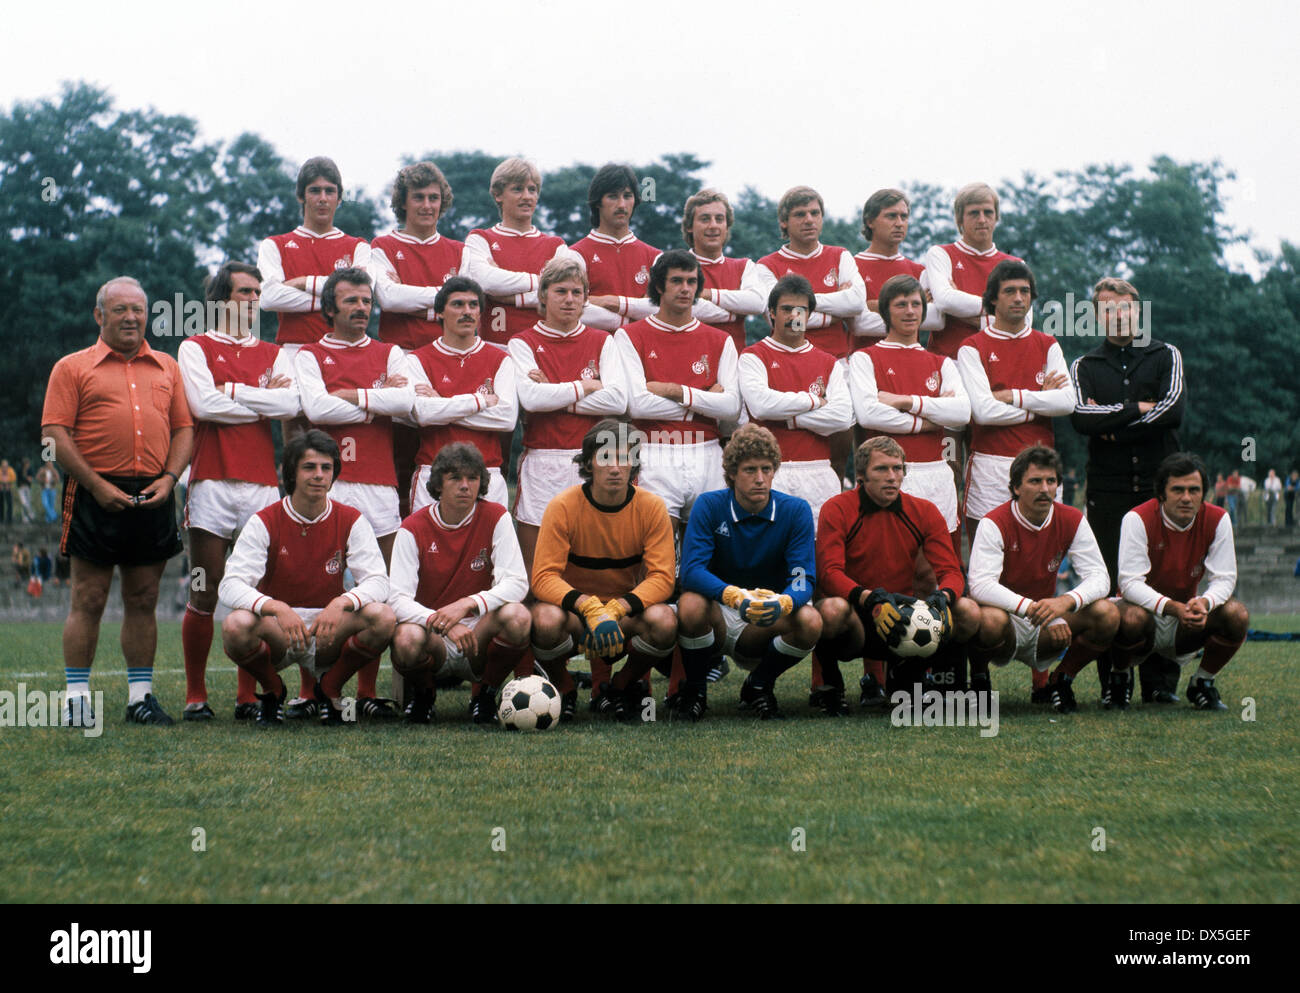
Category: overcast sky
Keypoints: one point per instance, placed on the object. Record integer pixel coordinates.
(845, 96)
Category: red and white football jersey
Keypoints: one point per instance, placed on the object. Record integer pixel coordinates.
(408, 274)
(1159, 561)
(507, 263)
(302, 253)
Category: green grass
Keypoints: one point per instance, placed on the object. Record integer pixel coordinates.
(1196, 807)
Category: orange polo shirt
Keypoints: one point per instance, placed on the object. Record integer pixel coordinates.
(121, 412)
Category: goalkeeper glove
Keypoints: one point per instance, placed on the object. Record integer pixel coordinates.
(884, 614)
(938, 604)
(603, 632)
(766, 607)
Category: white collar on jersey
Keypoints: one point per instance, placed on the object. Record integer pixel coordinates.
(773, 343)
(329, 341)
(436, 510)
(1174, 527)
(961, 246)
(446, 349)
(993, 332)
(413, 240)
(790, 253)
(229, 339)
(295, 516)
(768, 512)
(501, 229)
(605, 239)
(551, 332)
(876, 256)
(306, 232)
(706, 261)
(898, 344)
(655, 322)
(1015, 512)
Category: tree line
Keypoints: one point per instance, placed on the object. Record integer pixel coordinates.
(89, 191)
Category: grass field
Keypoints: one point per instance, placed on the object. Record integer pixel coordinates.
(1195, 807)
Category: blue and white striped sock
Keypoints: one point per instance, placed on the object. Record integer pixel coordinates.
(138, 683)
(78, 681)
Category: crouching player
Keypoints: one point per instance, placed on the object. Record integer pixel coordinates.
(1017, 549)
(867, 542)
(284, 585)
(1166, 546)
(742, 544)
(456, 584)
(602, 573)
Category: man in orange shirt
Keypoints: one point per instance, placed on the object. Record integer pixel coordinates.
(122, 432)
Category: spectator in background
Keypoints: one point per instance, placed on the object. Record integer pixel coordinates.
(25, 481)
(22, 563)
(1220, 490)
(8, 483)
(1292, 484)
(43, 565)
(1272, 490)
(1248, 486)
(1233, 495)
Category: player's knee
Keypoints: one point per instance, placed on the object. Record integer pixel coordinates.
(692, 614)
(89, 598)
(965, 618)
(380, 620)
(807, 624)
(408, 646)
(516, 623)
(204, 600)
(548, 624)
(834, 613)
(1104, 617)
(238, 631)
(993, 627)
(141, 599)
(1234, 620)
(661, 625)
(1133, 624)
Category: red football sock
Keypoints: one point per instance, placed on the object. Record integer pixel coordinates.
(1078, 655)
(368, 678)
(1041, 676)
(525, 666)
(638, 666)
(956, 542)
(1218, 652)
(196, 642)
(258, 666)
(601, 671)
(245, 686)
(874, 667)
(816, 671)
(501, 660)
(677, 676)
(354, 657)
(306, 682)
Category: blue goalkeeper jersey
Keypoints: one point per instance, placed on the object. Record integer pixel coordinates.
(725, 545)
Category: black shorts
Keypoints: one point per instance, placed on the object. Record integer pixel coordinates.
(128, 537)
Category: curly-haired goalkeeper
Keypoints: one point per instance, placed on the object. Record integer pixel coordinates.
(601, 573)
(743, 545)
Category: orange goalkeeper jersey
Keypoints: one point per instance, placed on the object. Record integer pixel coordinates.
(609, 552)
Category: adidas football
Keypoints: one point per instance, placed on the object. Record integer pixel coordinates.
(920, 631)
(529, 704)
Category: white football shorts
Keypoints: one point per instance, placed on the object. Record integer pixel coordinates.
(223, 506)
(815, 482)
(378, 504)
(497, 491)
(680, 473)
(544, 473)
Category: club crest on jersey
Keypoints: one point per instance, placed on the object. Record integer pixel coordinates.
(480, 560)
(701, 366)
(263, 379)
(335, 565)
(829, 278)
(1055, 564)
(379, 382)
(932, 383)
(591, 370)
(818, 389)
(450, 272)
(642, 277)
(342, 263)
(486, 388)
(1038, 377)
